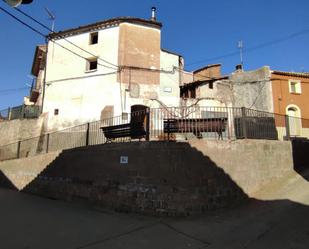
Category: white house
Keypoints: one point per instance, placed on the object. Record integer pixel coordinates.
(102, 69)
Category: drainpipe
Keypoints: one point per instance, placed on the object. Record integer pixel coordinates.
(45, 72)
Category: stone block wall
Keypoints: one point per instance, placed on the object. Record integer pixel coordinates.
(20, 129)
(158, 178)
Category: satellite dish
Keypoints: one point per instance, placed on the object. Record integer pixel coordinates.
(15, 3)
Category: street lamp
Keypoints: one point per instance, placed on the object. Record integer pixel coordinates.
(15, 3)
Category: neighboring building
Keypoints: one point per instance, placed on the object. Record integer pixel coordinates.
(252, 89)
(101, 70)
(283, 93)
(207, 88)
(290, 93)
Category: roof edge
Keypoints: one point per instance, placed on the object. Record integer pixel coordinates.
(170, 52)
(104, 24)
(208, 66)
(296, 74)
(200, 82)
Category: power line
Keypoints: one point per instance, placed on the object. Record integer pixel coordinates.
(253, 48)
(78, 78)
(46, 37)
(22, 22)
(46, 27)
(13, 90)
(75, 53)
(132, 67)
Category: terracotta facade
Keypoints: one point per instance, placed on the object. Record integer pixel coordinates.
(139, 51)
(283, 98)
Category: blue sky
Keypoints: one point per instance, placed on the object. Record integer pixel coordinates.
(198, 29)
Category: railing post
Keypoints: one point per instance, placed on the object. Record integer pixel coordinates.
(23, 112)
(18, 149)
(287, 127)
(87, 134)
(147, 124)
(47, 143)
(168, 129)
(244, 122)
(9, 113)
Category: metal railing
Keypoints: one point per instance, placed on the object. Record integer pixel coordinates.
(174, 123)
(20, 112)
(4, 114)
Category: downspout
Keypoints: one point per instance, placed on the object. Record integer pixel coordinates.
(120, 87)
(45, 72)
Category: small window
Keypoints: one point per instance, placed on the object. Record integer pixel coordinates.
(94, 38)
(211, 85)
(92, 64)
(188, 93)
(192, 93)
(294, 86)
(56, 112)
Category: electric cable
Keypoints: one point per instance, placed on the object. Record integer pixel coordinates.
(50, 30)
(9, 91)
(46, 27)
(136, 68)
(46, 37)
(253, 48)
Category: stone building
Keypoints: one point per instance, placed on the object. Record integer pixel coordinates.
(100, 70)
(207, 88)
(266, 90)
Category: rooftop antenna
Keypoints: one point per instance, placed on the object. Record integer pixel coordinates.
(52, 17)
(241, 46)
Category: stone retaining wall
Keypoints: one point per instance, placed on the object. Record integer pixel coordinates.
(173, 178)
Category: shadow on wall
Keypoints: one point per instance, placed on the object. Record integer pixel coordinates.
(162, 179)
(157, 178)
(301, 157)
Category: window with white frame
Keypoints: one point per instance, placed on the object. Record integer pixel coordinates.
(294, 86)
(91, 64)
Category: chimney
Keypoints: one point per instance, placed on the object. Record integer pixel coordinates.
(239, 68)
(153, 14)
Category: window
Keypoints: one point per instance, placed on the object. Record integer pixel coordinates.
(294, 86)
(189, 92)
(56, 112)
(92, 64)
(94, 38)
(192, 93)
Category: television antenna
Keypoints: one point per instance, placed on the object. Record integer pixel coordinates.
(52, 17)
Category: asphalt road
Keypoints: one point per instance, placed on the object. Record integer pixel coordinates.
(277, 218)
